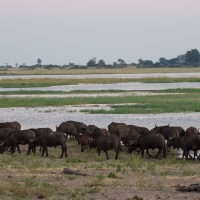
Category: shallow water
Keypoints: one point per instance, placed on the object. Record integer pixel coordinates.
(170, 75)
(117, 86)
(52, 116)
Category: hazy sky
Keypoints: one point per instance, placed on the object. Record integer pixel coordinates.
(63, 31)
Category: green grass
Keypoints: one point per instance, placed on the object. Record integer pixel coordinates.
(47, 82)
(27, 92)
(189, 101)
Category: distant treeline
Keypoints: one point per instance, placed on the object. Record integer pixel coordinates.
(189, 59)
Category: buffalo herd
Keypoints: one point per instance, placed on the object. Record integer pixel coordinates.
(132, 137)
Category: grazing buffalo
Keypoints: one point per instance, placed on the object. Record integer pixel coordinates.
(148, 141)
(14, 125)
(107, 142)
(39, 131)
(80, 126)
(52, 139)
(14, 138)
(84, 140)
(132, 136)
(192, 131)
(3, 134)
(186, 143)
(68, 128)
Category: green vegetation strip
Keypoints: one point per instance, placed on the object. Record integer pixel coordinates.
(24, 92)
(183, 102)
(47, 82)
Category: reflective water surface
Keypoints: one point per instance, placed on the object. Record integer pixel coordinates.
(52, 116)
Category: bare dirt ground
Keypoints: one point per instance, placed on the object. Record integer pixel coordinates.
(130, 177)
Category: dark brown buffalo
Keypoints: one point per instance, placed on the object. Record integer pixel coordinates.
(52, 139)
(37, 132)
(93, 143)
(90, 129)
(80, 126)
(83, 140)
(98, 132)
(14, 138)
(167, 131)
(3, 134)
(107, 142)
(180, 130)
(148, 141)
(192, 131)
(112, 127)
(14, 125)
(68, 128)
(139, 129)
(123, 130)
(132, 136)
(186, 143)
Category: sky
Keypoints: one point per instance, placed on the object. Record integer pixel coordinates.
(63, 31)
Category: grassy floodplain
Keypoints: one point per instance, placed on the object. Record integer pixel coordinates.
(125, 70)
(177, 100)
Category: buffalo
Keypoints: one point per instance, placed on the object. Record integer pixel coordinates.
(90, 129)
(83, 140)
(107, 142)
(149, 141)
(68, 128)
(14, 138)
(3, 134)
(80, 126)
(52, 139)
(98, 132)
(186, 143)
(112, 127)
(14, 125)
(192, 131)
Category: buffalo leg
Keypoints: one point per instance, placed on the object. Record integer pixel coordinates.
(65, 151)
(159, 151)
(116, 156)
(106, 152)
(164, 151)
(29, 149)
(18, 149)
(99, 151)
(147, 152)
(142, 152)
(186, 154)
(62, 152)
(82, 150)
